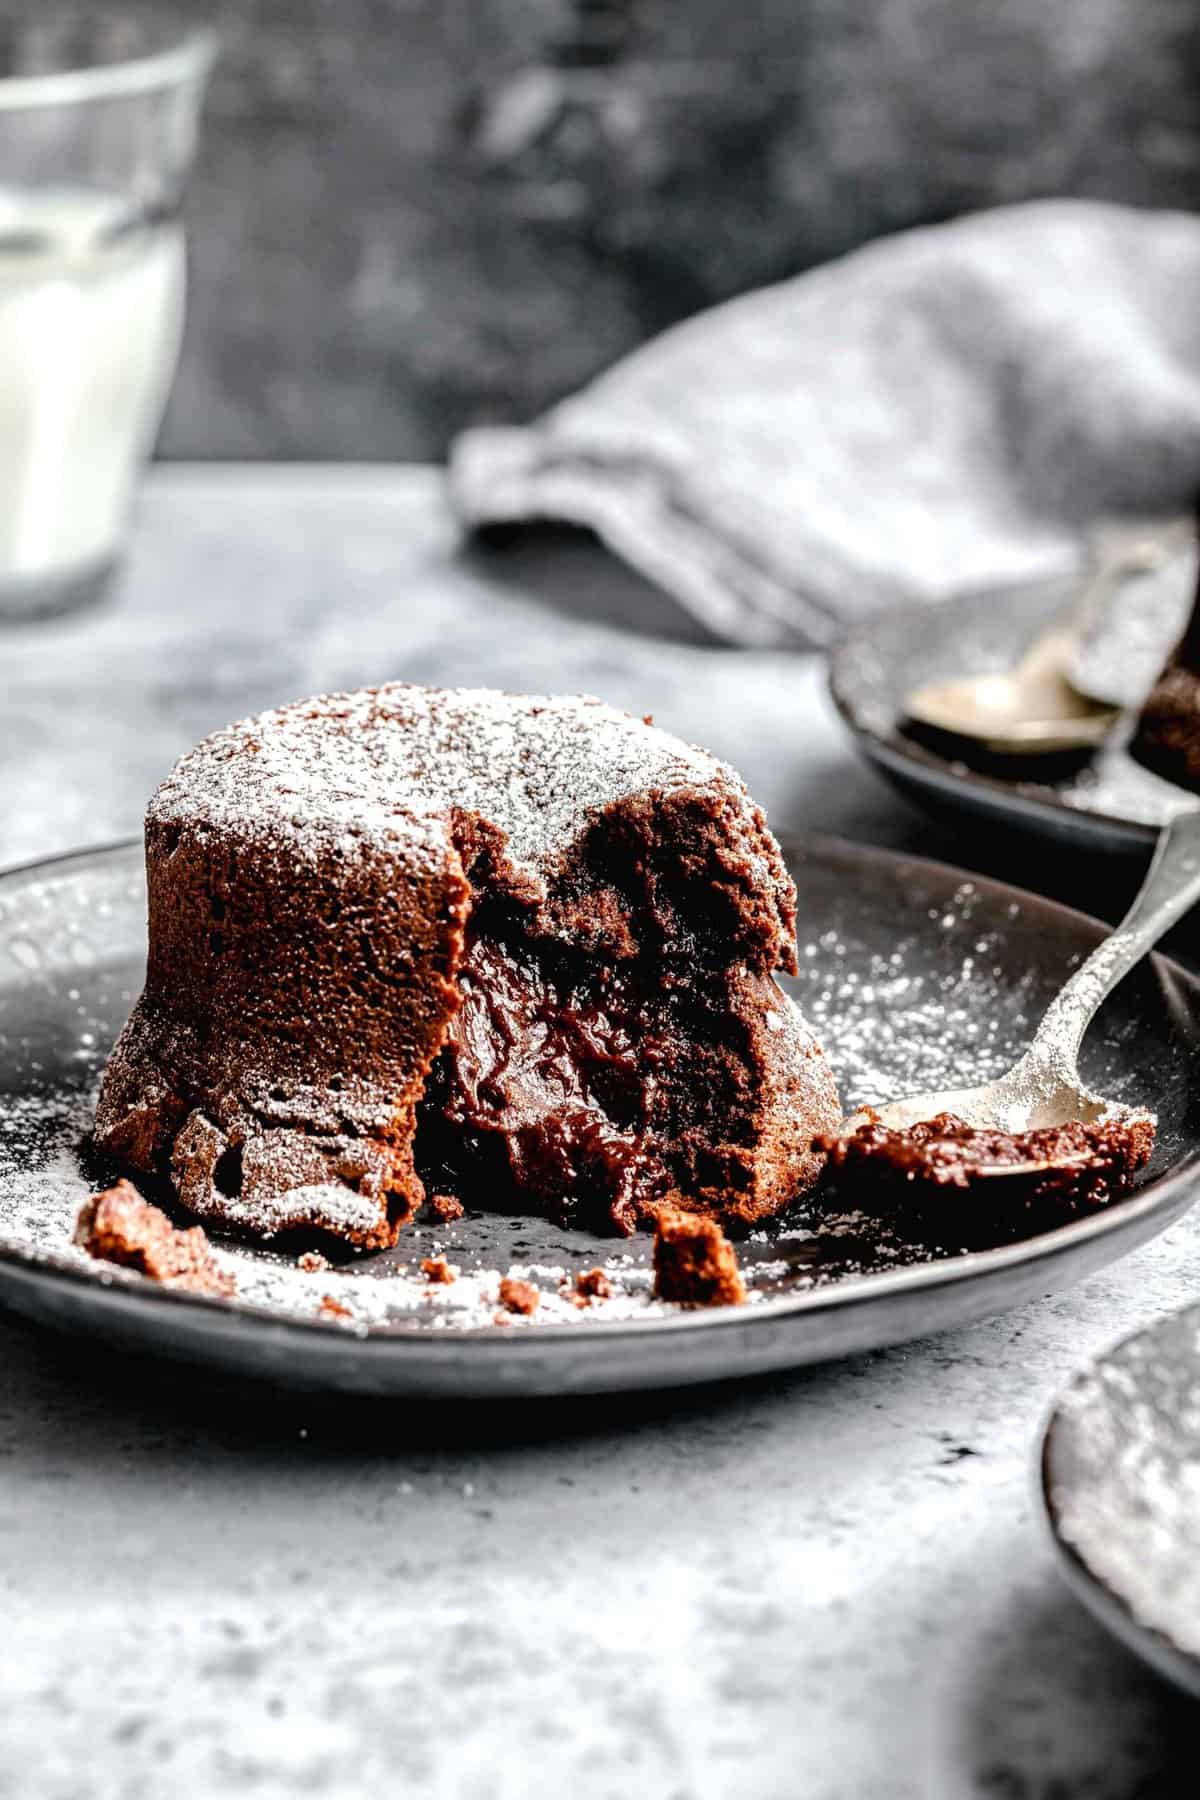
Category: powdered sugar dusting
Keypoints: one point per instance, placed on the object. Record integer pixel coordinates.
(43, 1184)
(392, 761)
(330, 1203)
(894, 1025)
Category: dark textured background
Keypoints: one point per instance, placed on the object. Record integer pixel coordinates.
(413, 214)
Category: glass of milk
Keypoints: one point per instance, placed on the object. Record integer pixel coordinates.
(98, 121)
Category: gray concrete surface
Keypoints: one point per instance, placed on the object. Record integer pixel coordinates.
(831, 1586)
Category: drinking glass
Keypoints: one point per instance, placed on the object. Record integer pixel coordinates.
(98, 120)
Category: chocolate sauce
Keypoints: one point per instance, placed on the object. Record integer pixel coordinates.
(546, 1089)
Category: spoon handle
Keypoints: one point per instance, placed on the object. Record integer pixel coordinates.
(1114, 564)
(1172, 885)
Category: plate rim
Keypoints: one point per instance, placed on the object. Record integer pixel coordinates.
(1148, 1642)
(1159, 1194)
(897, 755)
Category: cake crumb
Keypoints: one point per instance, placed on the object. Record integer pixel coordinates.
(518, 1296)
(593, 1284)
(119, 1226)
(694, 1262)
(312, 1262)
(446, 1207)
(436, 1268)
(333, 1309)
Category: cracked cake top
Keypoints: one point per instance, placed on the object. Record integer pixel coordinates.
(399, 760)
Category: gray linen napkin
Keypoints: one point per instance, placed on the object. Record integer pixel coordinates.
(951, 408)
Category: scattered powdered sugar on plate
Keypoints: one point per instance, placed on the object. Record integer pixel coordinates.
(890, 1030)
(404, 1295)
(43, 1186)
(44, 1180)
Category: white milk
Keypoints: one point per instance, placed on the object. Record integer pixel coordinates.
(89, 334)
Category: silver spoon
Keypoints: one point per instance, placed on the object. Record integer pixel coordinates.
(1044, 1087)
(1033, 709)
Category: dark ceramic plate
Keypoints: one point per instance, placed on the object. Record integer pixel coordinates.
(1121, 1482)
(914, 974)
(1106, 803)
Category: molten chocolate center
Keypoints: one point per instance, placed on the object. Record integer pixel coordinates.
(547, 1087)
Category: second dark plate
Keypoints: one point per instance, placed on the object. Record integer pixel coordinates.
(1120, 1479)
(1108, 804)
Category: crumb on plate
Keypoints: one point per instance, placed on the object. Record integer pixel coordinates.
(118, 1226)
(694, 1262)
(437, 1269)
(518, 1296)
(446, 1207)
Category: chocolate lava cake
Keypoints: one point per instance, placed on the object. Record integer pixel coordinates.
(411, 940)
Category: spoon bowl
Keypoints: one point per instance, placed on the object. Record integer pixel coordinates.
(1034, 709)
(1031, 710)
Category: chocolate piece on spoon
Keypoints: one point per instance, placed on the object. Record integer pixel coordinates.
(1038, 1131)
(1023, 1180)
